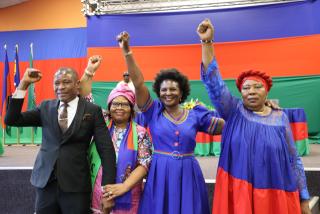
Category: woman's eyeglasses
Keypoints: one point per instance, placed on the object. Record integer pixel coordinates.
(120, 105)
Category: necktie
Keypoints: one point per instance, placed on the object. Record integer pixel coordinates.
(63, 118)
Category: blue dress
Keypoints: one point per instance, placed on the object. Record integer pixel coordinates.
(175, 183)
(259, 170)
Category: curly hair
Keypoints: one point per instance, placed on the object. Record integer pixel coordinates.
(175, 75)
(259, 74)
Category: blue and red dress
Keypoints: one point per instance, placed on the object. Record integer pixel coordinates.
(259, 170)
(175, 183)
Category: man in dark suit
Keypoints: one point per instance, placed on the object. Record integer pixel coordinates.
(61, 172)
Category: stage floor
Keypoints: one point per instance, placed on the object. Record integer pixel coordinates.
(18, 156)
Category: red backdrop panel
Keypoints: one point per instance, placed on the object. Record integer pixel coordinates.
(293, 56)
(44, 88)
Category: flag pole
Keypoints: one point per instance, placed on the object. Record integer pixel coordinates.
(18, 136)
(3, 142)
(18, 129)
(32, 130)
(32, 135)
(3, 131)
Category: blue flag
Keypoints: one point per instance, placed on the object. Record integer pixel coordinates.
(6, 89)
(16, 69)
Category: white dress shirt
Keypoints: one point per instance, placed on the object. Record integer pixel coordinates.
(72, 109)
(72, 105)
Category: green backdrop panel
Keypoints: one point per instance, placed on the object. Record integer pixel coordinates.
(22, 136)
(1, 144)
(292, 92)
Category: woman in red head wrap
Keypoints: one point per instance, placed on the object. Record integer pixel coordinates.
(259, 170)
(254, 87)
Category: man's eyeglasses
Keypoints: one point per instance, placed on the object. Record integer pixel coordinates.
(120, 105)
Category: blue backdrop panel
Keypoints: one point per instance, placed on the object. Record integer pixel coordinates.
(48, 44)
(240, 24)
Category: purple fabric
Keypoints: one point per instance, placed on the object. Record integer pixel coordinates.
(143, 159)
(257, 149)
(175, 185)
(127, 159)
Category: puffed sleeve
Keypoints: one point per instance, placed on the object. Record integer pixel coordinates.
(207, 119)
(218, 92)
(296, 162)
(148, 111)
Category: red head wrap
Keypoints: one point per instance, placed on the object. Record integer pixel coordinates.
(254, 75)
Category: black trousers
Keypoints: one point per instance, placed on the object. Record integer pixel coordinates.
(52, 200)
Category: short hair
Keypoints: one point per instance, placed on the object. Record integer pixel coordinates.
(174, 75)
(249, 73)
(68, 70)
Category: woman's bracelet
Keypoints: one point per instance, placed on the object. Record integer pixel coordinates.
(89, 74)
(128, 54)
(206, 41)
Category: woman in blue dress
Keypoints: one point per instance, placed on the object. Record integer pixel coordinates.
(259, 170)
(175, 183)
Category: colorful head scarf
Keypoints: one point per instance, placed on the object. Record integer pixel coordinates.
(122, 90)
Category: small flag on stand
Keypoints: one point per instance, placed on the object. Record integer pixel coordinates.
(16, 75)
(6, 91)
(31, 90)
(16, 69)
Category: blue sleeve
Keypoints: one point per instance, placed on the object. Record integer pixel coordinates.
(296, 163)
(147, 111)
(140, 120)
(207, 120)
(219, 94)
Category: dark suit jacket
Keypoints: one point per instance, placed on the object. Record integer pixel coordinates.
(67, 151)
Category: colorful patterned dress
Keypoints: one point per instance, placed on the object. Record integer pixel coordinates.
(121, 139)
(259, 170)
(175, 183)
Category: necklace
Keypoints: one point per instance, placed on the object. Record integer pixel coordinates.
(264, 111)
